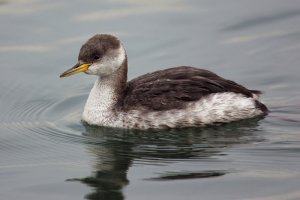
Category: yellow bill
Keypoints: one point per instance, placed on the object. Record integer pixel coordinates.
(76, 69)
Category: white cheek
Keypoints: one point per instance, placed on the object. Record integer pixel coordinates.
(109, 63)
(102, 69)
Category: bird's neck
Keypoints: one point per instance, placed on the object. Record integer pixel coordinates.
(107, 93)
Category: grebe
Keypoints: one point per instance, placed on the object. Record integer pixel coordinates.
(172, 98)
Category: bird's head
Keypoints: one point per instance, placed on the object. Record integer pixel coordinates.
(101, 55)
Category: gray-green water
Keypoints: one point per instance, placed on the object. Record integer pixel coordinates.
(47, 153)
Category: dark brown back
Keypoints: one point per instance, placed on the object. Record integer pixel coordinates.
(175, 87)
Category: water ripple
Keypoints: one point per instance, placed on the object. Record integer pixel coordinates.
(260, 20)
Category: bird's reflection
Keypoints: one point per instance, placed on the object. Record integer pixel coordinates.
(116, 150)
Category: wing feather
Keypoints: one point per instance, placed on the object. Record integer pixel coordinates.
(175, 87)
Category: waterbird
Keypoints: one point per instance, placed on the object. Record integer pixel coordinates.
(176, 97)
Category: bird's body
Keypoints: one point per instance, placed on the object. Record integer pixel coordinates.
(173, 98)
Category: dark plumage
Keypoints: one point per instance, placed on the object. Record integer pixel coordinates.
(175, 87)
(96, 47)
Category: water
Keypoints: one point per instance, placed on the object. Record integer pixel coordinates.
(47, 153)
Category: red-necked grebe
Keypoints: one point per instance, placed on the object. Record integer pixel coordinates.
(171, 98)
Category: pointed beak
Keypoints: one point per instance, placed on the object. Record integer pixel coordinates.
(76, 69)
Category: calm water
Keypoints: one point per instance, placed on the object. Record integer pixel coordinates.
(47, 153)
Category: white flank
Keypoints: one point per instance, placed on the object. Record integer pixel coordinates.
(215, 108)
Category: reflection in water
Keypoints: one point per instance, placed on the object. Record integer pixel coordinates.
(120, 148)
(189, 175)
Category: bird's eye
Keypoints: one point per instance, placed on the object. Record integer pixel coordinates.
(96, 57)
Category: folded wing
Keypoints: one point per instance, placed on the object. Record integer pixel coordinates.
(175, 87)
